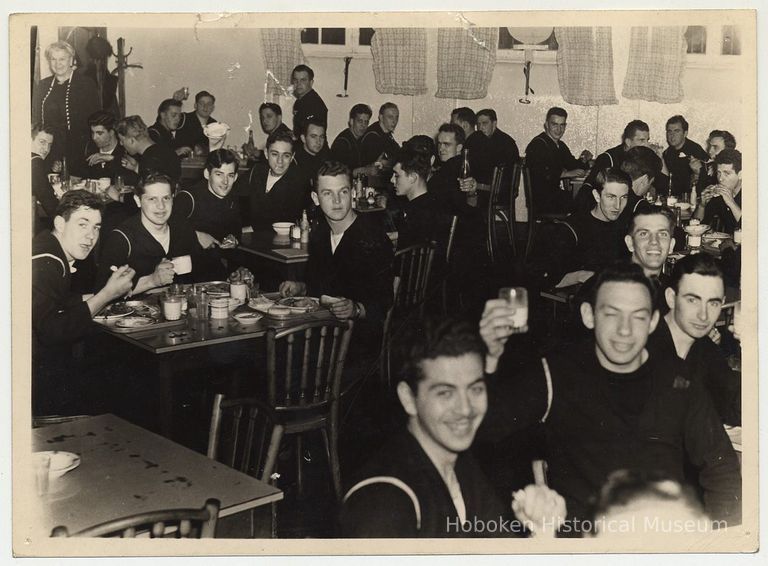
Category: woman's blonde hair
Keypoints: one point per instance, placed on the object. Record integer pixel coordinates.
(59, 46)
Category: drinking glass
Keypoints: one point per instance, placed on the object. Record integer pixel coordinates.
(42, 472)
(171, 307)
(517, 297)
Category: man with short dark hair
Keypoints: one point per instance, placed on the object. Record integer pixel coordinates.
(424, 219)
(378, 145)
(350, 258)
(695, 297)
(346, 147)
(597, 235)
(276, 189)
(425, 481)
(722, 202)
(308, 103)
(144, 156)
(149, 241)
(447, 184)
(644, 168)
(213, 213)
(103, 154)
(466, 118)
(705, 173)
(490, 147)
(636, 134)
(165, 128)
(42, 191)
(549, 159)
(610, 403)
(190, 133)
(679, 155)
(313, 149)
(271, 118)
(60, 317)
(650, 239)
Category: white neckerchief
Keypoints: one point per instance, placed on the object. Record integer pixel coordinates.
(447, 471)
(271, 180)
(335, 241)
(163, 239)
(110, 152)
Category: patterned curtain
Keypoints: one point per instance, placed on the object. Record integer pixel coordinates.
(656, 64)
(400, 60)
(282, 52)
(465, 61)
(585, 65)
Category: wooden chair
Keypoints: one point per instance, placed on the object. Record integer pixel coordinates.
(496, 211)
(304, 369)
(251, 435)
(386, 337)
(244, 435)
(413, 265)
(534, 217)
(447, 258)
(189, 523)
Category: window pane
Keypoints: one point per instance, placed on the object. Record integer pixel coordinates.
(506, 41)
(333, 36)
(366, 34)
(697, 39)
(309, 35)
(731, 41)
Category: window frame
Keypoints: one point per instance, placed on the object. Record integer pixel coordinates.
(713, 57)
(351, 47)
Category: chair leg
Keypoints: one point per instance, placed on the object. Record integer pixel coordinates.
(332, 438)
(299, 457)
(272, 452)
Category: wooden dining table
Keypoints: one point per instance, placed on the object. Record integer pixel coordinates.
(125, 470)
(166, 353)
(192, 332)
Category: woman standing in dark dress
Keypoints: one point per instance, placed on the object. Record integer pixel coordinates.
(63, 103)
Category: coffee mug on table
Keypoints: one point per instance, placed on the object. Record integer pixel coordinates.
(239, 291)
(182, 264)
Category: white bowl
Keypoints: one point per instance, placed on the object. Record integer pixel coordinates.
(696, 229)
(282, 228)
(61, 462)
(246, 318)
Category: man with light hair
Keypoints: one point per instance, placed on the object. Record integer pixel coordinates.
(144, 155)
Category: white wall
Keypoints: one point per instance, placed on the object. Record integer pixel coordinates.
(229, 63)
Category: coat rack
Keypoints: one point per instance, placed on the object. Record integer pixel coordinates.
(122, 65)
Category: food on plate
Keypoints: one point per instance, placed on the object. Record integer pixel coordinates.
(117, 309)
(241, 275)
(327, 300)
(134, 322)
(304, 303)
(260, 302)
(279, 311)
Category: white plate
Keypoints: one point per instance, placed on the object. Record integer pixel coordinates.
(300, 309)
(716, 236)
(248, 318)
(61, 462)
(261, 304)
(134, 322)
(111, 316)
